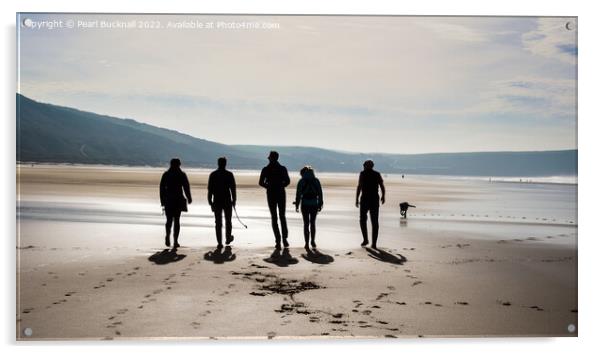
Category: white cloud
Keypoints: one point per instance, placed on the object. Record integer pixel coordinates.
(456, 30)
(553, 39)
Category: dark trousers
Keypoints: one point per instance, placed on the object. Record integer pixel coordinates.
(372, 207)
(217, 211)
(172, 217)
(309, 214)
(277, 205)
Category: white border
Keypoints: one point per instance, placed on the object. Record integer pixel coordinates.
(589, 170)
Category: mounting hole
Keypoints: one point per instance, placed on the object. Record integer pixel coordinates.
(28, 332)
(571, 328)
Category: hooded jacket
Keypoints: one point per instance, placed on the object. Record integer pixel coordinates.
(309, 190)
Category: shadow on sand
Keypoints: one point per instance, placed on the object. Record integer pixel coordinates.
(166, 256)
(315, 256)
(220, 256)
(385, 256)
(281, 258)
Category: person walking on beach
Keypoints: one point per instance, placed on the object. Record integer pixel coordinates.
(221, 195)
(309, 194)
(274, 178)
(173, 182)
(367, 186)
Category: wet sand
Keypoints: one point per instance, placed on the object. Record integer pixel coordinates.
(91, 264)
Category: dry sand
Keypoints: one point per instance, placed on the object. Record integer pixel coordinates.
(95, 275)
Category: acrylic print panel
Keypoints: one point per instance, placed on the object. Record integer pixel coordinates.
(439, 197)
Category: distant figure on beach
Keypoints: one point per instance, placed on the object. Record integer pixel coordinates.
(221, 195)
(309, 195)
(274, 178)
(173, 182)
(367, 186)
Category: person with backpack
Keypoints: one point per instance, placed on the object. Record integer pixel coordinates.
(173, 182)
(309, 195)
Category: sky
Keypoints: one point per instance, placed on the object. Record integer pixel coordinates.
(349, 83)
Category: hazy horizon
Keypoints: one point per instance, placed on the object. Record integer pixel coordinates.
(398, 85)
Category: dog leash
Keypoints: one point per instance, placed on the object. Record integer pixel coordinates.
(240, 221)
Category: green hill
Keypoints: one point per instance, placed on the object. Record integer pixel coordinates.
(49, 133)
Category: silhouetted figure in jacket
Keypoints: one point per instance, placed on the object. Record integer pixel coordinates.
(274, 178)
(367, 186)
(309, 195)
(173, 183)
(221, 195)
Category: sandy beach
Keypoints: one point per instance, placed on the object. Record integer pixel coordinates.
(473, 259)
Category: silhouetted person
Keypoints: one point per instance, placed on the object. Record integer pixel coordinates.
(274, 178)
(173, 183)
(221, 195)
(367, 186)
(309, 194)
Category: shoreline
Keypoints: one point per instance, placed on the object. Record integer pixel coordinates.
(479, 178)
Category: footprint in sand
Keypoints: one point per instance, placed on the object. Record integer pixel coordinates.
(416, 283)
(28, 310)
(381, 295)
(464, 303)
(258, 266)
(271, 335)
(535, 307)
(400, 303)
